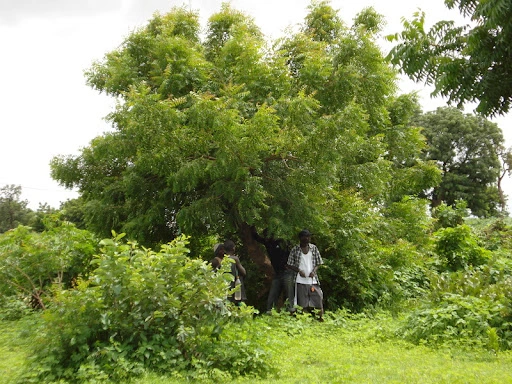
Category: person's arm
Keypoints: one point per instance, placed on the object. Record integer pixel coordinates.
(317, 263)
(239, 266)
(257, 237)
(291, 264)
(216, 262)
(296, 269)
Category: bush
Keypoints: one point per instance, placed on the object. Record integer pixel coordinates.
(495, 233)
(472, 305)
(450, 216)
(31, 262)
(13, 308)
(467, 319)
(142, 310)
(372, 257)
(458, 248)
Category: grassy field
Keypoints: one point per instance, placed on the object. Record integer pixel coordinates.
(14, 348)
(351, 351)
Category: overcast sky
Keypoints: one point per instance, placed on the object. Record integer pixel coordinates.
(47, 110)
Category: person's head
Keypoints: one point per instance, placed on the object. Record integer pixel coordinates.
(219, 250)
(304, 236)
(229, 247)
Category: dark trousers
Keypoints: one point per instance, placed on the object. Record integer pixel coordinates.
(282, 282)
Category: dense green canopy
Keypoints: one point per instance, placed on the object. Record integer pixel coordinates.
(235, 136)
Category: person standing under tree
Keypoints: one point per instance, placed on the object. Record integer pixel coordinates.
(219, 251)
(305, 259)
(283, 279)
(237, 270)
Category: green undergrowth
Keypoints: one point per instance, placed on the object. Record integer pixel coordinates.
(342, 349)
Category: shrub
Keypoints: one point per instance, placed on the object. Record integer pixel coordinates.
(472, 305)
(458, 248)
(372, 257)
(450, 216)
(140, 310)
(31, 262)
(463, 318)
(495, 233)
(13, 308)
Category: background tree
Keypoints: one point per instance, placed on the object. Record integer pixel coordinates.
(44, 211)
(73, 210)
(233, 137)
(467, 150)
(465, 63)
(506, 168)
(13, 210)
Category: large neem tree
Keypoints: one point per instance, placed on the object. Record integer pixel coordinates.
(234, 137)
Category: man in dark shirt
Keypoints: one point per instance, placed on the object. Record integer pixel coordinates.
(282, 280)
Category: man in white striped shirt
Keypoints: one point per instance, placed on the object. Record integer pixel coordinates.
(305, 259)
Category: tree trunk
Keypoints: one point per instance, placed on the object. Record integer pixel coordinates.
(436, 198)
(255, 251)
(258, 255)
(503, 201)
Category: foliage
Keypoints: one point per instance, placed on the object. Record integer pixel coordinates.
(13, 210)
(450, 215)
(13, 307)
(495, 234)
(162, 311)
(469, 301)
(464, 63)
(467, 150)
(31, 262)
(73, 211)
(466, 306)
(231, 136)
(322, 22)
(43, 213)
(372, 257)
(458, 248)
(406, 221)
(467, 319)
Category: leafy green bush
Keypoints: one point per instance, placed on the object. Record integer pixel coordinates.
(31, 262)
(495, 233)
(13, 308)
(457, 318)
(144, 310)
(447, 216)
(458, 248)
(473, 305)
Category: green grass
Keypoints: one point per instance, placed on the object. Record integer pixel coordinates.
(365, 351)
(14, 348)
(337, 351)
